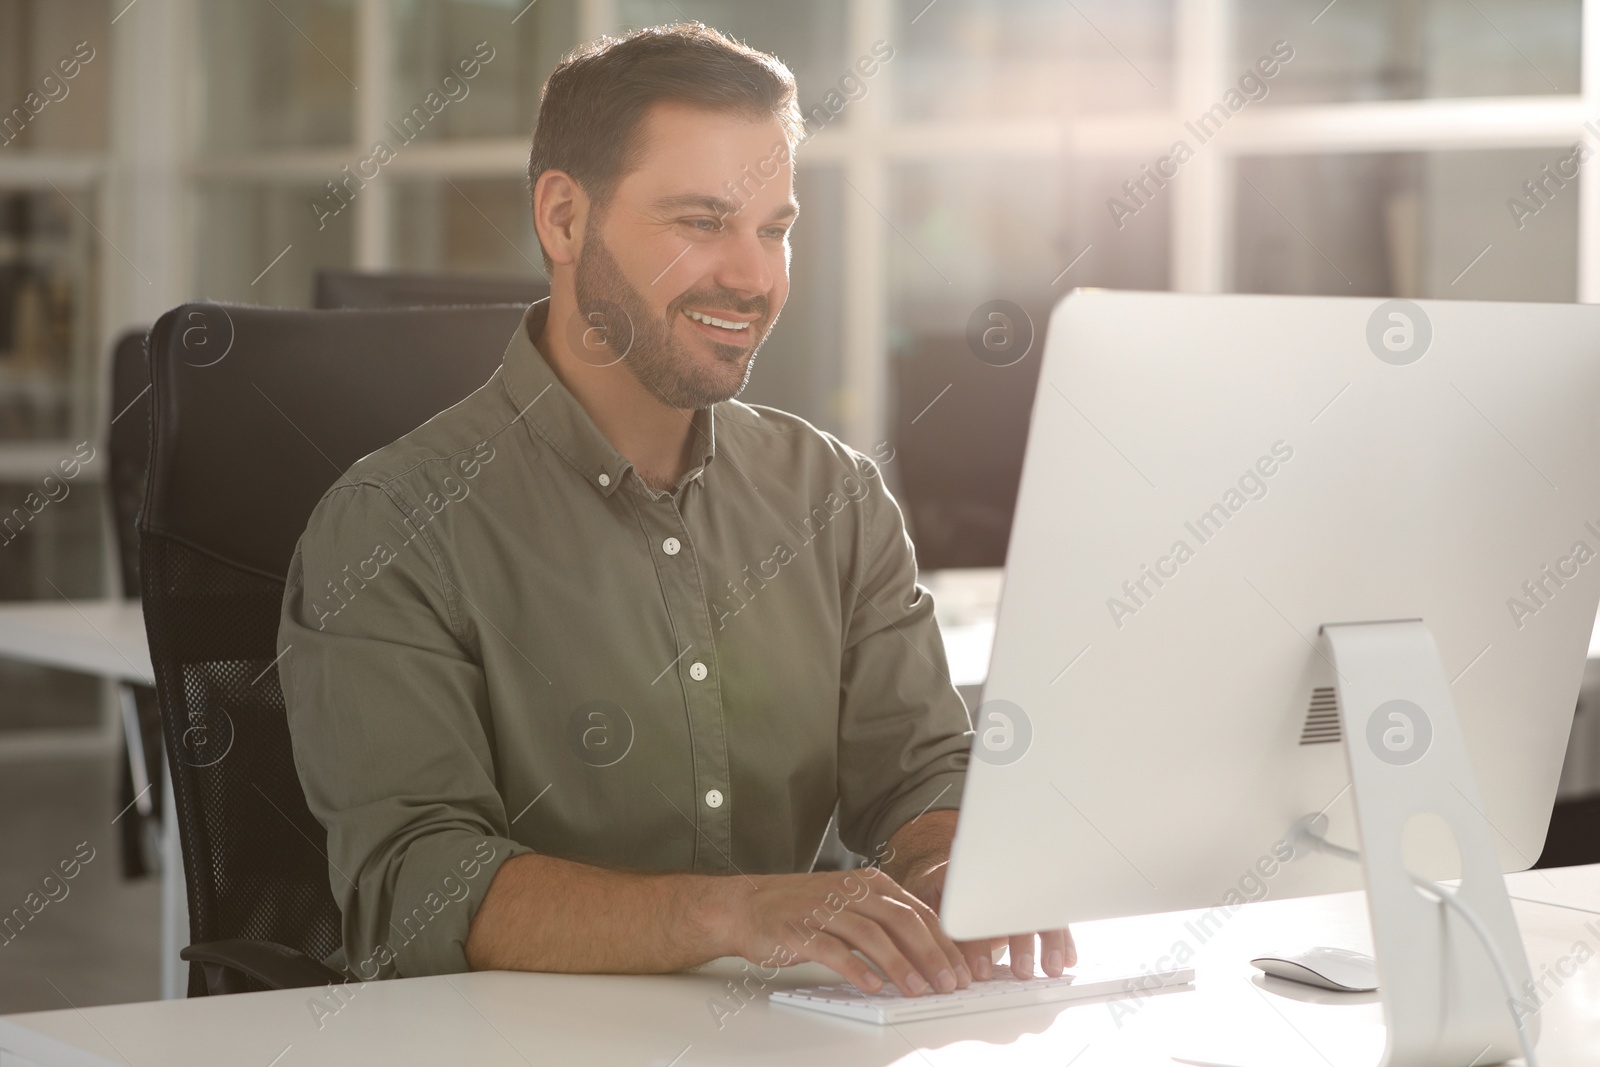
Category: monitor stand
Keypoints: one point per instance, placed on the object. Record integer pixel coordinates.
(1445, 1001)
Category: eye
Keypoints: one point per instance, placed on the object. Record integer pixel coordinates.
(704, 224)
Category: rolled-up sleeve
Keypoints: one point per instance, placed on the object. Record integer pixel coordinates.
(903, 729)
(388, 713)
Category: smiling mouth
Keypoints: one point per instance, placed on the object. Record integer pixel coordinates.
(729, 325)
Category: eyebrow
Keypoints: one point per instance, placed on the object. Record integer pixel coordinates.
(720, 206)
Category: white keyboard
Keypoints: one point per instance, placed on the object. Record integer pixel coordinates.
(1001, 991)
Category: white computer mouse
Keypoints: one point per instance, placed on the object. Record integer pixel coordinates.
(1338, 969)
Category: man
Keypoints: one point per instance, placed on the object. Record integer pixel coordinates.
(578, 670)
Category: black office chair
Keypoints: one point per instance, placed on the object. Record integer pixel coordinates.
(398, 289)
(959, 462)
(256, 412)
(1574, 836)
(128, 453)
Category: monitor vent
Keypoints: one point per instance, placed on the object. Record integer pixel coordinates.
(1322, 718)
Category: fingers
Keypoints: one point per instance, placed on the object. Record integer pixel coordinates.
(897, 929)
(980, 956)
(1056, 950)
(1053, 945)
(873, 941)
(1022, 955)
(913, 938)
(929, 918)
(831, 951)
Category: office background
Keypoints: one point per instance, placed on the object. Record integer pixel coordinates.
(190, 153)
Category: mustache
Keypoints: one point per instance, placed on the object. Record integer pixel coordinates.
(721, 300)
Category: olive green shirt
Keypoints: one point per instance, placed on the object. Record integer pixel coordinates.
(497, 639)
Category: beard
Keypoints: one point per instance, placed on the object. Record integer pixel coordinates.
(646, 345)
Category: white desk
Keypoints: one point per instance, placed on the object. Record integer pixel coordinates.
(104, 637)
(966, 651)
(107, 638)
(503, 1018)
(967, 601)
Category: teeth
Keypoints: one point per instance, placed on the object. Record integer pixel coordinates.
(726, 325)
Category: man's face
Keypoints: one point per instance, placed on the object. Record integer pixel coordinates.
(697, 231)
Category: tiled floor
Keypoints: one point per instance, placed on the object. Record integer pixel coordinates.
(96, 943)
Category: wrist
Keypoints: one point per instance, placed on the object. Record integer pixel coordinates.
(718, 904)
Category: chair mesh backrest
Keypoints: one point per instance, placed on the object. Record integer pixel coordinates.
(251, 846)
(251, 423)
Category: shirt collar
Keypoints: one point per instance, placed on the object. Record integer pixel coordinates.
(556, 416)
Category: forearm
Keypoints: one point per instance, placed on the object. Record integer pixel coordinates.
(547, 914)
(920, 846)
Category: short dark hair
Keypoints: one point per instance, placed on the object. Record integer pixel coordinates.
(594, 101)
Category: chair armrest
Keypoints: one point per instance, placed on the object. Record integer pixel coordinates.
(271, 964)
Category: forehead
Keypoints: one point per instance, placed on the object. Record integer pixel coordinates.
(688, 149)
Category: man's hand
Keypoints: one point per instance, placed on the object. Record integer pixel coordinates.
(919, 854)
(775, 920)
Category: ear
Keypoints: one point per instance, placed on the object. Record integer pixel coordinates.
(560, 211)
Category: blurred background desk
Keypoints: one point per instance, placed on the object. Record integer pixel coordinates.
(104, 638)
(101, 637)
(967, 600)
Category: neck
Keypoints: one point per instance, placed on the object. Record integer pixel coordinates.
(654, 437)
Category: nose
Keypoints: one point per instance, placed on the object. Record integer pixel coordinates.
(744, 265)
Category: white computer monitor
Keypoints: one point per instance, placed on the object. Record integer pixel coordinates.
(1208, 481)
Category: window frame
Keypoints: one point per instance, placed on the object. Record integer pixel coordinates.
(865, 147)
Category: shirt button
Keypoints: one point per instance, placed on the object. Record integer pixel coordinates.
(605, 480)
(697, 671)
(670, 546)
(714, 798)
